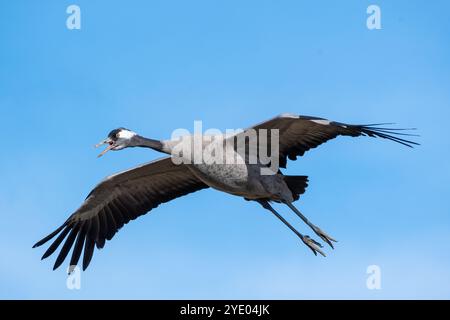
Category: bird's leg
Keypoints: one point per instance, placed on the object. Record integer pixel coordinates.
(316, 229)
(311, 243)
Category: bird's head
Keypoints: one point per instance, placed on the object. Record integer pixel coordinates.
(118, 139)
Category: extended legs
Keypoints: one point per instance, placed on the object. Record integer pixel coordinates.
(311, 243)
(316, 229)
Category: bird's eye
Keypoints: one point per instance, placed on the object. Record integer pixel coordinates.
(118, 135)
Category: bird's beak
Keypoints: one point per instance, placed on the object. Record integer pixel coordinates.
(109, 147)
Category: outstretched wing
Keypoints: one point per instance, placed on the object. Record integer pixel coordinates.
(298, 134)
(114, 202)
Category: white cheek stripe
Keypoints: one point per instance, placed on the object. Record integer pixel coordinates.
(126, 134)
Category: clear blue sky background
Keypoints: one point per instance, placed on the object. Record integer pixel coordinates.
(154, 66)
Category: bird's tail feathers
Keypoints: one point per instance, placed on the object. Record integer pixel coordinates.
(297, 185)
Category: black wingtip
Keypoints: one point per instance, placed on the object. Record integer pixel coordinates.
(89, 248)
(40, 243)
(58, 263)
(67, 246)
(50, 236)
(388, 133)
(46, 255)
(379, 124)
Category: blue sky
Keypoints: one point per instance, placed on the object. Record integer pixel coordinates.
(154, 66)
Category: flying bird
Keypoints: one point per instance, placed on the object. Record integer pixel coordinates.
(129, 194)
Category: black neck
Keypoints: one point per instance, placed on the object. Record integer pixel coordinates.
(148, 143)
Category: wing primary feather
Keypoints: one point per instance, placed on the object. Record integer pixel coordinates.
(100, 243)
(66, 247)
(111, 225)
(389, 129)
(103, 227)
(50, 236)
(120, 206)
(125, 213)
(95, 227)
(374, 131)
(398, 133)
(78, 248)
(89, 247)
(56, 243)
(116, 216)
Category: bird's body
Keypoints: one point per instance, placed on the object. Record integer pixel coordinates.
(230, 172)
(243, 180)
(198, 162)
(215, 173)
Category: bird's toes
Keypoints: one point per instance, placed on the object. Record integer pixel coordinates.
(328, 241)
(325, 237)
(316, 243)
(313, 245)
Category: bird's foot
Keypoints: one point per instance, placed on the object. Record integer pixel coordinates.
(324, 236)
(313, 245)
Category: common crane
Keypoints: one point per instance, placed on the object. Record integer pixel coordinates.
(129, 194)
